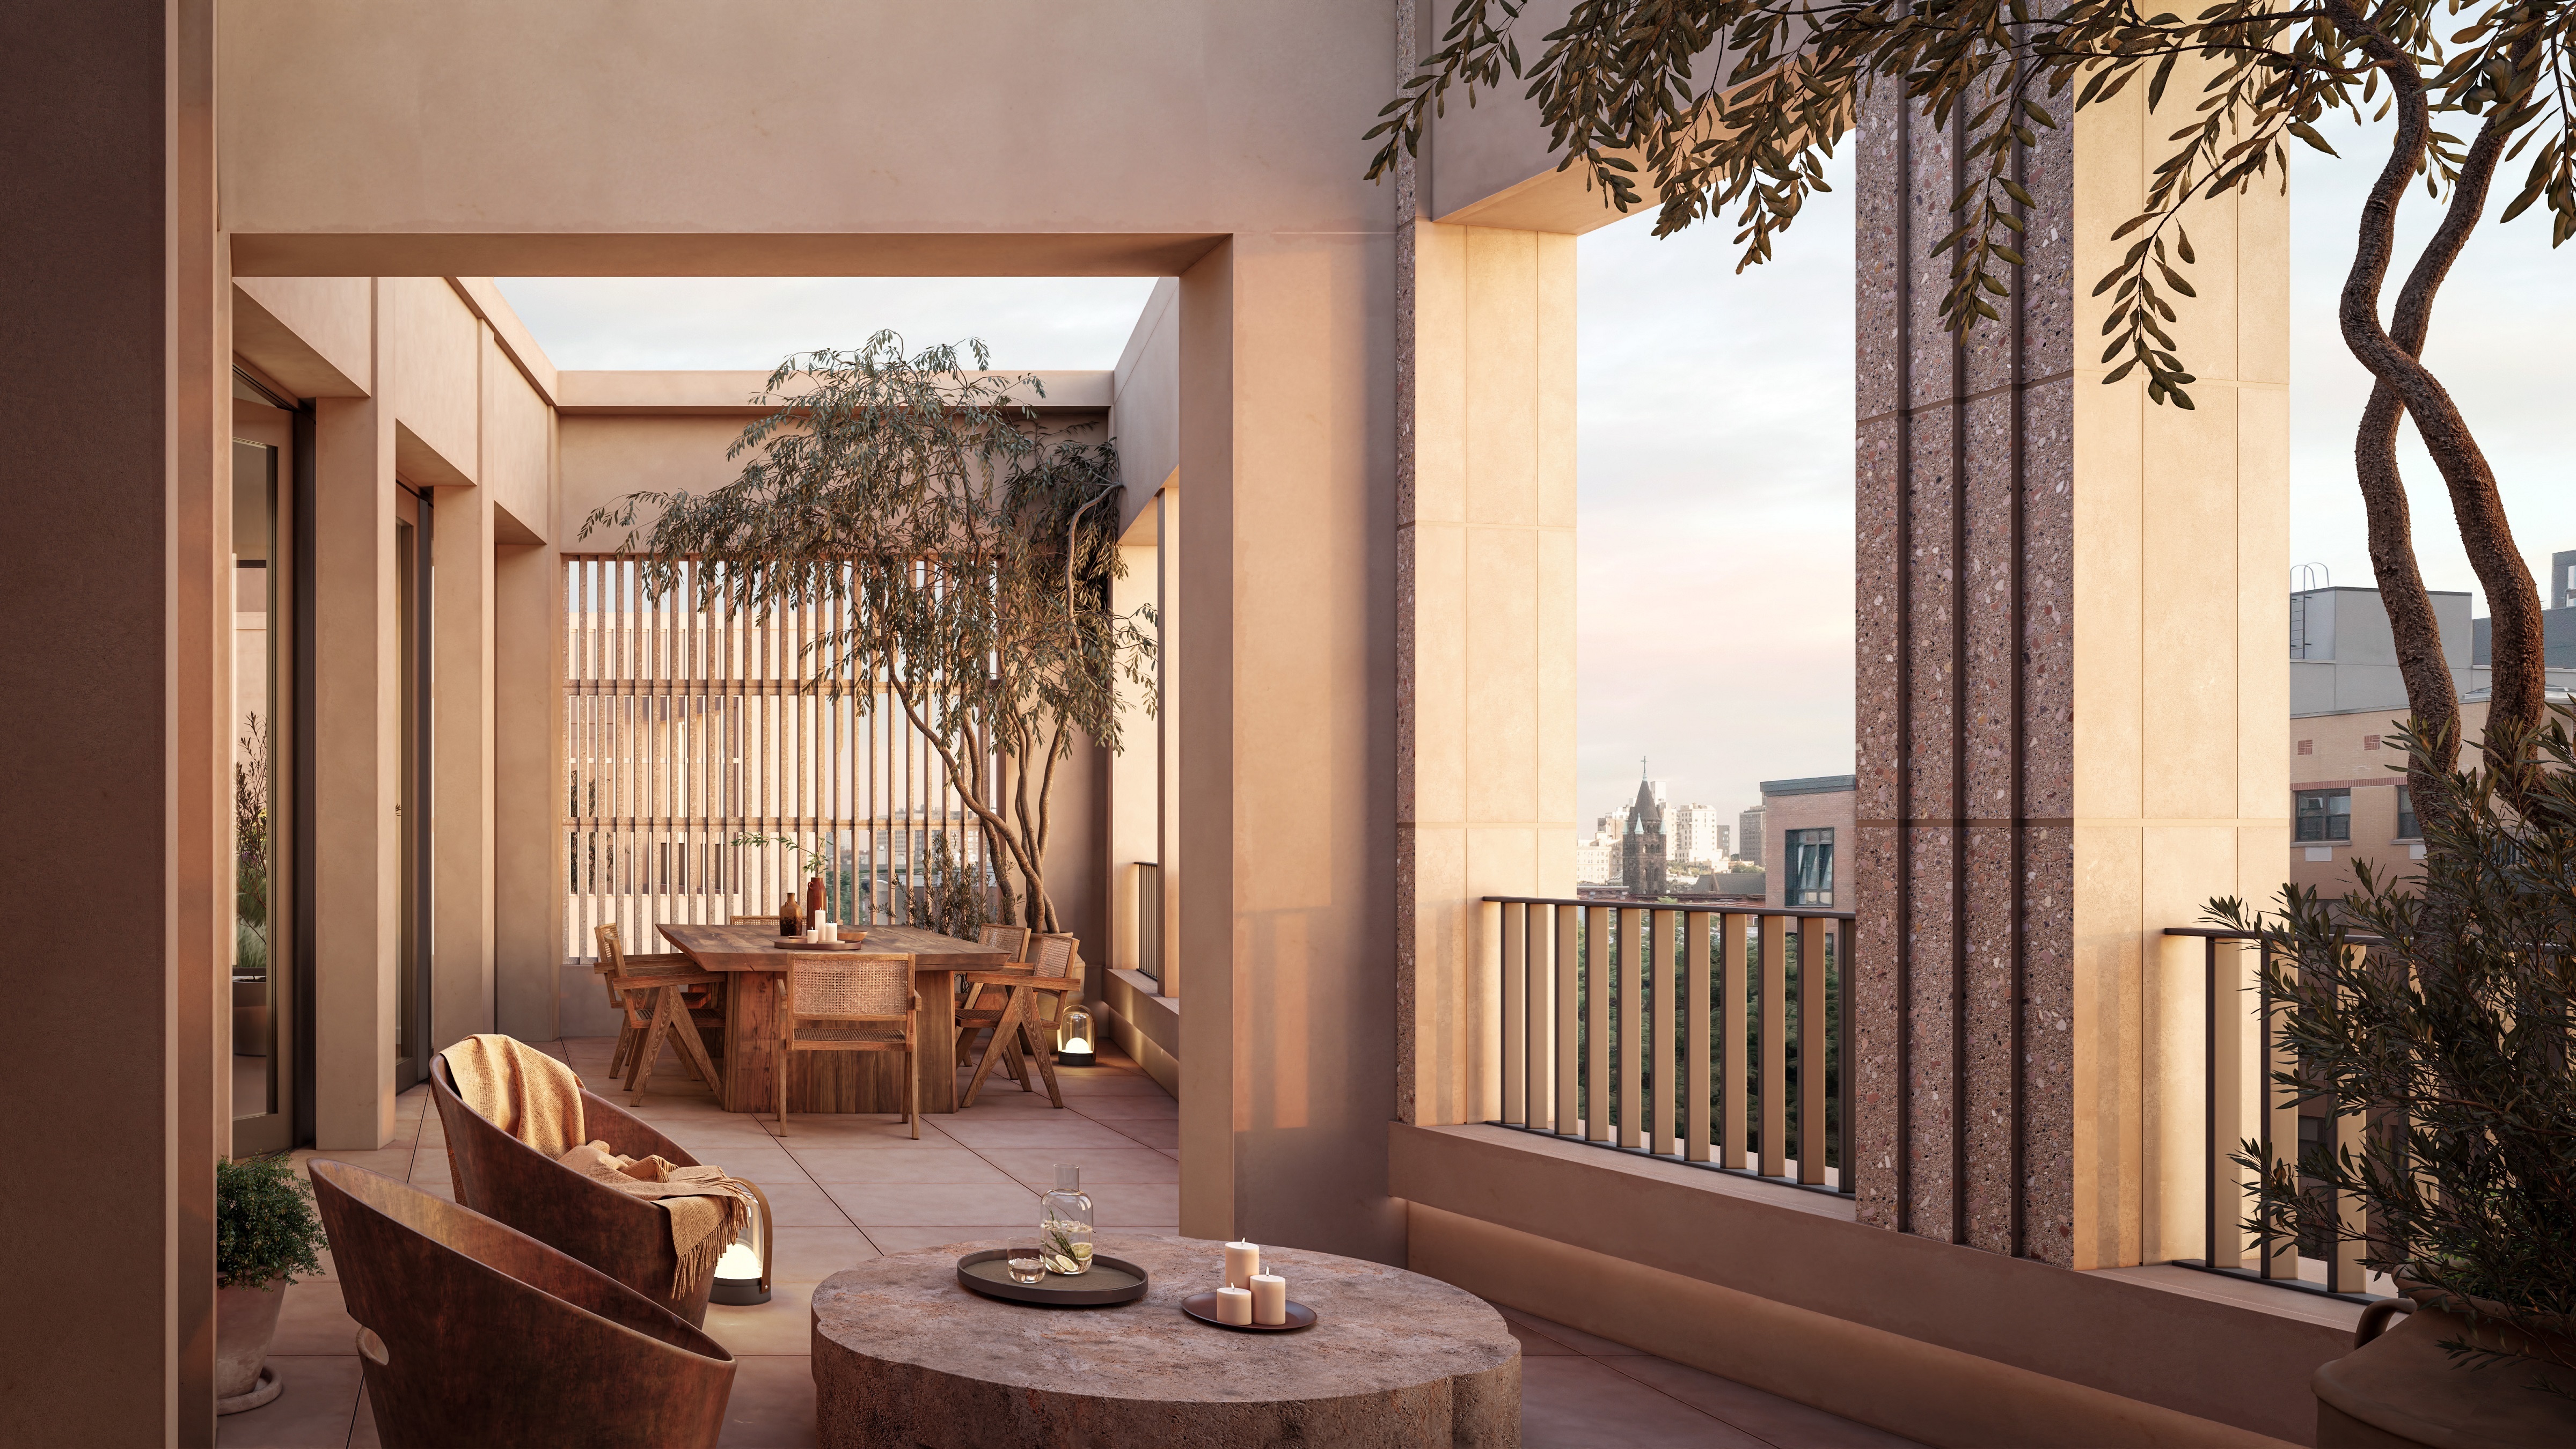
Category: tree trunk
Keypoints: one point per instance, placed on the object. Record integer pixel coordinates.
(2431, 695)
(2518, 674)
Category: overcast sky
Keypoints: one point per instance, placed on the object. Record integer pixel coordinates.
(1715, 552)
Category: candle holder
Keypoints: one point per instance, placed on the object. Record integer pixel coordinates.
(742, 1274)
(1073, 1038)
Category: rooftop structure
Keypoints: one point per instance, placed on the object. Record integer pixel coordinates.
(1326, 894)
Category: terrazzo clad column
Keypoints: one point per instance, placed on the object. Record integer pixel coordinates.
(2070, 698)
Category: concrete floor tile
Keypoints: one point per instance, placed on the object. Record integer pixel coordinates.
(314, 1321)
(1119, 1085)
(1785, 1423)
(1134, 1205)
(933, 1204)
(833, 1166)
(1065, 1132)
(891, 1239)
(433, 1166)
(316, 1404)
(1589, 1345)
(810, 1255)
(772, 1406)
(800, 1203)
(1129, 1106)
(1101, 1165)
(1576, 1403)
(855, 1131)
(1149, 1131)
(783, 1326)
(1535, 1344)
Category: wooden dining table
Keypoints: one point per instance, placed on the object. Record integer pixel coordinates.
(753, 963)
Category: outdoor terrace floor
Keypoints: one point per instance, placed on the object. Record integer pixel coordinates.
(849, 1188)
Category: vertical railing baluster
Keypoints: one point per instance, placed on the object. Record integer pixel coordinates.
(1662, 1064)
(1846, 1075)
(1734, 1032)
(1596, 1023)
(1811, 1049)
(1538, 1013)
(1514, 985)
(1775, 1043)
(2280, 1132)
(2223, 1238)
(1569, 1031)
(1630, 1111)
(2344, 1135)
(1697, 1045)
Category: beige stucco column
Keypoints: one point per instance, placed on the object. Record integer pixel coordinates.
(1286, 678)
(527, 800)
(461, 608)
(357, 758)
(1485, 641)
(2071, 693)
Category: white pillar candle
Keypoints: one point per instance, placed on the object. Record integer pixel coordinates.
(1234, 1305)
(831, 933)
(1242, 1260)
(1269, 1299)
(813, 933)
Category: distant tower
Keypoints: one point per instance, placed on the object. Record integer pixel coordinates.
(1641, 848)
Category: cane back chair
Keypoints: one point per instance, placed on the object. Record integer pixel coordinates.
(860, 1002)
(651, 991)
(1032, 1001)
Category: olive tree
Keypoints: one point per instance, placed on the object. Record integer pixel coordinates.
(972, 552)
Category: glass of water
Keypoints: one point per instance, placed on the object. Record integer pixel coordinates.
(1027, 1264)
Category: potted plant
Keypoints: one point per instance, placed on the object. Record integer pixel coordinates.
(265, 1234)
(2441, 1009)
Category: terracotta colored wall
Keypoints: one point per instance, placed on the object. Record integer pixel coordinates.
(1834, 812)
(2340, 754)
(115, 668)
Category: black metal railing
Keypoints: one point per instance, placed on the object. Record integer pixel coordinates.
(2241, 1037)
(1713, 1036)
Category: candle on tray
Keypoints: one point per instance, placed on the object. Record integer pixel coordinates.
(831, 933)
(1242, 1260)
(1269, 1299)
(1234, 1306)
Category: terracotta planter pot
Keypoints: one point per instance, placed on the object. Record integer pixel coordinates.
(245, 1322)
(2398, 1388)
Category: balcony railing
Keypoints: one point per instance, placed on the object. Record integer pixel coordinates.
(2241, 1024)
(1711, 1036)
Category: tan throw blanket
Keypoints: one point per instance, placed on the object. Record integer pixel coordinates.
(537, 1100)
(707, 1208)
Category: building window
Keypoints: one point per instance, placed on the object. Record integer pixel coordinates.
(2407, 826)
(1811, 867)
(2325, 815)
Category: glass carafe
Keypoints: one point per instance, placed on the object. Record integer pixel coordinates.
(1064, 1223)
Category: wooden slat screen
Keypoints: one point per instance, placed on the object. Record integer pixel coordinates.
(684, 728)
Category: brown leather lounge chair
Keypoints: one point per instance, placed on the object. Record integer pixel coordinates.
(627, 1238)
(472, 1333)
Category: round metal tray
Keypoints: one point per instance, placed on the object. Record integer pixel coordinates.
(1110, 1282)
(1202, 1306)
(859, 944)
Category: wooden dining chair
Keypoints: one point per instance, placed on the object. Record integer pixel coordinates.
(1013, 943)
(650, 990)
(1033, 998)
(861, 1002)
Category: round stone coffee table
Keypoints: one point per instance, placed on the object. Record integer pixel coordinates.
(902, 1355)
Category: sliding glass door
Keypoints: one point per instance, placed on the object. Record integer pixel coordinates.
(412, 543)
(260, 967)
